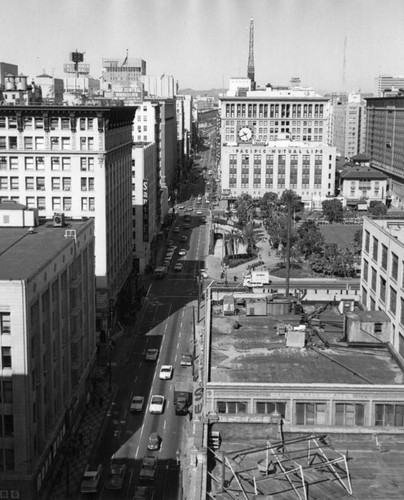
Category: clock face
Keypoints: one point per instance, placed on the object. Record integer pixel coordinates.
(245, 134)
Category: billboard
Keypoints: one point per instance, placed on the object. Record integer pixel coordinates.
(145, 210)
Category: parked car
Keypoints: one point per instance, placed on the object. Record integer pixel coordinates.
(177, 229)
(184, 238)
(182, 252)
(186, 359)
(91, 478)
(137, 403)
(116, 476)
(152, 354)
(178, 267)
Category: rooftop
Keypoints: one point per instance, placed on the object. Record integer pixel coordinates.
(255, 353)
(23, 253)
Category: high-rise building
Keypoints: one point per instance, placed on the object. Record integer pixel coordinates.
(385, 142)
(383, 273)
(159, 86)
(48, 342)
(123, 71)
(75, 161)
(349, 125)
(388, 84)
(275, 139)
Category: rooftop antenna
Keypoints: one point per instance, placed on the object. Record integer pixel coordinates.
(250, 67)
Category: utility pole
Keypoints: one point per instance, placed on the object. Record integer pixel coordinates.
(289, 233)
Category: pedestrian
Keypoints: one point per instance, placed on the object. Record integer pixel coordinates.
(101, 401)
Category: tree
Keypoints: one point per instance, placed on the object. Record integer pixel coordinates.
(249, 237)
(244, 205)
(377, 208)
(268, 203)
(357, 240)
(310, 239)
(333, 210)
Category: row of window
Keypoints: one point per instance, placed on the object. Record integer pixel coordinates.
(55, 123)
(43, 163)
(58, 203)
(38, 183)
(389, 259)
(276, 123)
(38, 143)
(344, 414)
(274, 110)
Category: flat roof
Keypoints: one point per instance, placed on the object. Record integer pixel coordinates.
(23, 253)
(254, 353)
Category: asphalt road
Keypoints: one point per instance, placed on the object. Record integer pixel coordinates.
(166, 322)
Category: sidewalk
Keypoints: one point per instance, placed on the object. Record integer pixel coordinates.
(82, 442)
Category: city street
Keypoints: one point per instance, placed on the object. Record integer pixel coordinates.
(166, 323)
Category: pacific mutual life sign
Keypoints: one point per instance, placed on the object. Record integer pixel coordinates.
(145, 210)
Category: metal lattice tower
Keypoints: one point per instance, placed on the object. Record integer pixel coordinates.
(250, 67)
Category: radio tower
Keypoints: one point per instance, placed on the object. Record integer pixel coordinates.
(250, 67)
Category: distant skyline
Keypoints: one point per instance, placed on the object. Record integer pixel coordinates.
(203, 43)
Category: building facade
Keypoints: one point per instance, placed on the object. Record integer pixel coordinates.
(386, 83)
(349, 126)
(361, 185)
(385, 142)
(48, 344)
(75, 162)
(382, 278)
(145, 215)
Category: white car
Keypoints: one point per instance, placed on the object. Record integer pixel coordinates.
(204, 273)
(207, 202)
(166, 372)
(199, 212)
(182, 252)
(156, 404)
(137, 403)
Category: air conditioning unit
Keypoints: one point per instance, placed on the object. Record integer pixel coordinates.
(58, 220)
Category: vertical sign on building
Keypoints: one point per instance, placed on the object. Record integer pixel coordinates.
(145, 210)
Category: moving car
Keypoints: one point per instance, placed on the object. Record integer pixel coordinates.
(152, 354)
(148, 468)
(186, 359)
(116, 476)
(182, 252)
(166, 372)
(169, 243)
(184, 238)
(142, 493)
(178, 266)
(91, 478)
(156, 404)
(137, 403)
(177, 229)
(187, 226)
(154, 442)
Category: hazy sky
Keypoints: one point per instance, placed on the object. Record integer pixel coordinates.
(204, 42)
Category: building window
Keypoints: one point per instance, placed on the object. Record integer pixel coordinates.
(393, 300)
(55, 163)
(41, 203)
(67, 204)
(311, 413)
(267, 408)
(65, 124)
(367, 241)
(394, 266)
(375, 248)
(29, 163)
(66, 164)
(55, 143)
(55, 183)
(40, 183)
(374, 278)
(389, 415)
(14, 184)
(382, 289)
(39, 143)
(233, 407)
(65, 143)
(6, 357)
(30, 202)
(6, 395)
(29, 183)
(56, 204)
(40, 163)
(54, 123)
(365, 270)
(349, 414)
(67, 183)
(384, 257)
(13, 163)
(28, 142)
(402, 311)
(5, 327)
